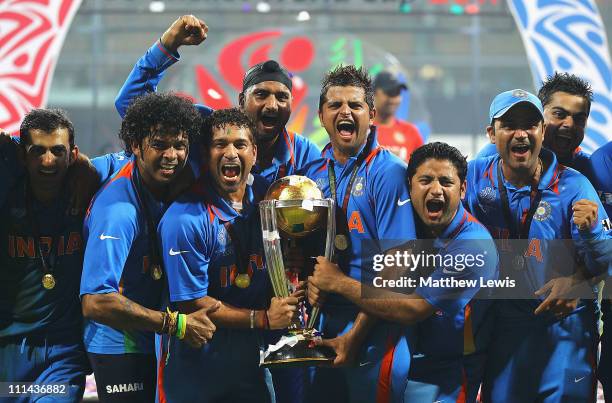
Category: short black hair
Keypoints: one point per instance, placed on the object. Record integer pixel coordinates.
(46, 120)
(226, 117)
(438, 151)
(348, 76)
(565, 82)
(159, 110)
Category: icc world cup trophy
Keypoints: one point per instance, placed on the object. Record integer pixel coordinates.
(294, 208)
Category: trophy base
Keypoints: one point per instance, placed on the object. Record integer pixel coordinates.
(300, 354)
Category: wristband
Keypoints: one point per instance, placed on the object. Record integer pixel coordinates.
(252, 318)
(181, 326)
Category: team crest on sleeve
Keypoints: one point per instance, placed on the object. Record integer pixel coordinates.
(359, 186)
(606, 224)
(543, 211)
(486, 198)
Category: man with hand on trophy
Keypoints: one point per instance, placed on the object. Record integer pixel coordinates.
(212, 248)
(367, 184)
(439, 341)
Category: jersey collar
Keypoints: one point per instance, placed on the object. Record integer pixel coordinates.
(221, 207)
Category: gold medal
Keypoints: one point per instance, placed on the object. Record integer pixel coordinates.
(48, 281)
(341, 242)
(156, 272)
(242, 280)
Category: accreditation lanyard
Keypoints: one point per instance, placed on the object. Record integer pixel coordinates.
(47, 265)
(155, 260)
(242, 256)
(524, 225)
(332, 175)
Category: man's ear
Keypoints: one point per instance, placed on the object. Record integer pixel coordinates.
(74, 154)
(241, 100)
(463, 189)
(491, 134)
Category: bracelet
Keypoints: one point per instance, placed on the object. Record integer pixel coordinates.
(164, 323)
(252, 318)
(172, 322)
(181, 326)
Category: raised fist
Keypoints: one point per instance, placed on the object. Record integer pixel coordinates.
(186, 30)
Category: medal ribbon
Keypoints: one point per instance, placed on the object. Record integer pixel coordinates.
(332, 175)
(47, 268)
(525, 225)
(242, 258)
(153, 244)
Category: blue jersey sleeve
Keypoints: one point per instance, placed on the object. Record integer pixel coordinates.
(144, 78)
(183, 231)
(474, 262)
(108, 164)
(392, 206)
(487, 151)
(305, 151)
(594, 244)
(110, 230)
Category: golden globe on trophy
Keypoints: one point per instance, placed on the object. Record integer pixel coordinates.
(294, 208)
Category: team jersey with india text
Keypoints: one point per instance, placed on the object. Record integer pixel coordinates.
(379, 207)
(26, 307)
(379, 216)
(203, 258)
(117, 258)
(291, 152)
(601, 166)
(560, 188)
(200, 256)
(443, 334)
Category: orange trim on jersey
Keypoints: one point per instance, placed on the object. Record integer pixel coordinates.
(554, 182)
(383, 390)
(371, 156)
(164, 51)
(489, 173)
(462, 396)
(469, 346)
(290, 140)
(124, 172)
(160, 372)
(323, 167)
(211, 215)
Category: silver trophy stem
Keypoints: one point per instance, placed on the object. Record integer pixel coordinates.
(273, 249)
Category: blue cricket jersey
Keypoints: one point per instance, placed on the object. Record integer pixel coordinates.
(291, 153)
(443, 334)
(378, 217)
(601, 166)
(26, 307)
(117, 258)
(202, 259)
(560, 187)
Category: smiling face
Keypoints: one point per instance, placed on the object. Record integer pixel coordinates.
(347, 118)
(161, 157)
(436, 191)
(268, 104)
(48, 156)
(565, 116)
(518, 135)
(231, 156)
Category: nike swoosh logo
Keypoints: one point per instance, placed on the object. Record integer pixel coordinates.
(402, 202)
(105, 237)
(576, 380)
(446, 271)
(172, 252)
(363, 364)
